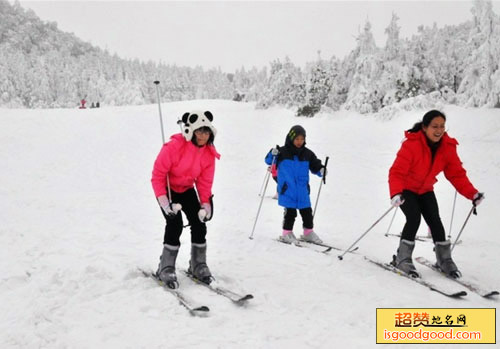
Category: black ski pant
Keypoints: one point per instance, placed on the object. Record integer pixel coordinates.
(190, 206)
(417, 206)
(291, 213)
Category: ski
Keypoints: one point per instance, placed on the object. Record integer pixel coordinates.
(328, 247)
(298, 243)
(418, 238)
(195, 311)
(233, 296)
(467, 284)
(420, 281)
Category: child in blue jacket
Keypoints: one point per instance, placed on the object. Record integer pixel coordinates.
(294, 161)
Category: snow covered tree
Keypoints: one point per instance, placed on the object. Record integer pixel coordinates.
(285, 85)
(450, 56)
(364, 93)
(42, 66)
(393, 47)
(258, 79)
(421, 78)
(318, 85)
(393, 69)
(477, 86)
(339, 85)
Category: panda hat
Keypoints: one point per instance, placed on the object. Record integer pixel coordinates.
(194, 120)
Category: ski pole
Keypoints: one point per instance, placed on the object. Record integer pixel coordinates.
(317, 199)
(366, 232)
(473, 209)
(323, 180)
(268, 174)
(169, 192)
(263, 182)
(390, 225)
(452, 214)
(157, 83)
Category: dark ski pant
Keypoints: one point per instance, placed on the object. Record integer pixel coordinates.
(417, 206)
(291, 213)
(190, 206)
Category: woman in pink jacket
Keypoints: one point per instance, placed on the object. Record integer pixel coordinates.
(185, 162)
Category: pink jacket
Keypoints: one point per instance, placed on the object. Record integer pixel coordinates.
(186, 165)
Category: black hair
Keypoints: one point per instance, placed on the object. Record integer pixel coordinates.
(426, 120)
(211, 138)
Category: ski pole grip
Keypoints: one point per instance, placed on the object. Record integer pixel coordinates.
(212, 207)
(326, 163)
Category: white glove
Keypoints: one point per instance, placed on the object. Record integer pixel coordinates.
(478, 198)
(169, 209)
(172, 211)
(397, 200)
(275, 151)
(205, 213)
(323, 171)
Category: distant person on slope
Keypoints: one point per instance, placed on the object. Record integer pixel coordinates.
(186, 161)
(294, 161)
(426, 151)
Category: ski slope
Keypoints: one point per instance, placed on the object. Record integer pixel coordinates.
(78, 217)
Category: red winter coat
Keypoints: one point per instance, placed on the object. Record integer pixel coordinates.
(414, 169)
(186, 165)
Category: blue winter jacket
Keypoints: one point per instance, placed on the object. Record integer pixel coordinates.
(293, 166)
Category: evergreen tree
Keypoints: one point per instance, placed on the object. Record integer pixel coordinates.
(393, 69)
(285, 85)
(478, 86)
(318, 86)
(256, 89)
(339, 85)
(364, 93)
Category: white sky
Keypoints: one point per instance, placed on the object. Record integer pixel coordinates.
(232, 34)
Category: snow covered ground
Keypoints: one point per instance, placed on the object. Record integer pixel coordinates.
(78, 217)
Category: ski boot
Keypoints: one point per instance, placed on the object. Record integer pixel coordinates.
(288, 237)
(444, 261)
(403, 260)
(166, 268)
(198, 264)
(310, 236)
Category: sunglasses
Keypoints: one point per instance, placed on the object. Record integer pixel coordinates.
(203, 130)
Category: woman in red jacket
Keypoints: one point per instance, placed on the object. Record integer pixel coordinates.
(426, 152)
(185, 162)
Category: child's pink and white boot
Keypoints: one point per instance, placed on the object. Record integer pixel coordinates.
(310, 236)
(288, 237)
